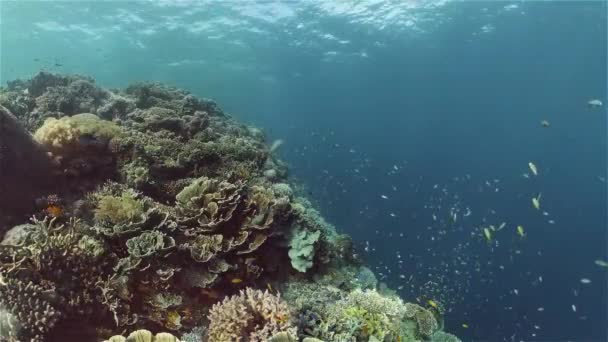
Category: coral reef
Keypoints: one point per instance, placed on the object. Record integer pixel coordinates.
(144, 336)
(150, 208)
(252, 315)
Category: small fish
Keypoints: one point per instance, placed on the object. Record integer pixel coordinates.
(536, 202)
(545, 123)
(433, 304)
(464, 325)
(383, 196)
(275, 145)
(516, 291)
(585, 281)
(601, 263)
(541, 309)
(236, 280)
(393, 215)
(520, 231)
(573, 308)
(269, 287)
(595, 103)
(487, 234)
(533, 168)
(502, 225)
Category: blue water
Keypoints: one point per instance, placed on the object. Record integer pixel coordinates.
(434, 105)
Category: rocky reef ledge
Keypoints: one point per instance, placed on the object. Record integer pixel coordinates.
(151, 214)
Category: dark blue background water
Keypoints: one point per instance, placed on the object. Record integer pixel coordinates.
(432, 121)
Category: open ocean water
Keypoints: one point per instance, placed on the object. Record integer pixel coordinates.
(412, 125)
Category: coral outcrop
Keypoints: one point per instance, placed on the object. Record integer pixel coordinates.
(150, 208)
(253, 316)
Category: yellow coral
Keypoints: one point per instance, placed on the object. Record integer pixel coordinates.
(66, 132)
(117, 209)
(58, 133)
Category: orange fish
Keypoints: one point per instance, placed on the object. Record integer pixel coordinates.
(54, 210)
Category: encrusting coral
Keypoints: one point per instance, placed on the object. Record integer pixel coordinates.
(160, 211)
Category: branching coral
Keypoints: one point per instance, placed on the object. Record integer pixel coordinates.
(252, 315)
(29, 310)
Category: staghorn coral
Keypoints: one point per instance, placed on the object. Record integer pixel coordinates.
(253, 316)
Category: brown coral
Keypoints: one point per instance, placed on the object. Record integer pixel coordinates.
(252, 316)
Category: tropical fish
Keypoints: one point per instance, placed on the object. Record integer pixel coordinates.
(502, 225)
(585, 281)
(601, 263)
(487, 234)
(536, 202)
(520, 231)
(236, 280)
(464, 325)
(545, 123)
(433, 304)
(533, 168)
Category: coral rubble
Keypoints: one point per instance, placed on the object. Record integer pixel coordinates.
(153, 209)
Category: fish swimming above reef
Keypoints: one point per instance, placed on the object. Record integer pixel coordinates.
(536, 202)
(487, 234)
(545, 123)
(520, 231)
(595, 103)
(533, 168)
(601, 263)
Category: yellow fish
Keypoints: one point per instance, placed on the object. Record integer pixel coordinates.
(433, 304)
(533, 168)
(236, 280)
(269, 287)
(536, 202)
(520, 231)
(487, 233)
(464, 325)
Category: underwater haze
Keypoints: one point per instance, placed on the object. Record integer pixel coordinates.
(454, 141)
